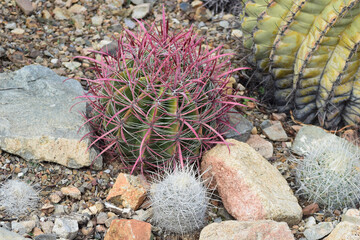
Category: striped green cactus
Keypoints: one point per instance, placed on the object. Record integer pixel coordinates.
(310, 48)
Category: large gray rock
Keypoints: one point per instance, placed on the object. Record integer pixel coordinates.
(8, 235)
(35, 118)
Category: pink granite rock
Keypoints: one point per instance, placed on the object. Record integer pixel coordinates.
(247, 230)
(249, 186)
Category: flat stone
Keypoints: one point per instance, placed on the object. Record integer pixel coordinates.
(71, 191)
(143, 215)
(97, 20)
(318, 231)
(66, 228)
(130, 24)
(23, 226)
(128, 229)
(18, 31)
(46, 237)
(36, 122)
(247, 230)
(61, 14)
(265, 148)
(8, 235)
(224, 24)
(137, 2)
(249, 186)
(115, 3)
(140, 11)
(274, 130)
(79, 21)
(202, 14)
(101, 218)
(127, 192)
(26, 6)
(309, 136)
(242, 125)
(10, 25)
(237, 33)
(310, 209)
(47, 226)
(77, 9)
(345, 231)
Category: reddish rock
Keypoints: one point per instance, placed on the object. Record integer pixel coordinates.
(71, 191)
(26, 6)
(296, 128)
(249, 186)
(310, 209)
(37, 231)
(247, 230)
(128, 191)
(352, 136)
(278, 116)
(265, 148)
(128, 230)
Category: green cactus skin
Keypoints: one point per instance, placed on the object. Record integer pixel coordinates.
(310, 48)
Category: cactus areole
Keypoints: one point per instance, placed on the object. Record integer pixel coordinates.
(310, 48)
(161, 99)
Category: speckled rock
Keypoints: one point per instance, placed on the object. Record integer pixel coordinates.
(249, 186)
(247, 230)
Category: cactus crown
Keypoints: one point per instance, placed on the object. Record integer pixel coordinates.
(329, 174)
(161, 98)
(310, 47)
(17, 197)
(180, 200)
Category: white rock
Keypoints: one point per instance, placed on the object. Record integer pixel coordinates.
(60, 14)
(71, 65)
(140, 11)
(236, 33)
(18, 31)
(10, 25)
(97, 20)
(66, 228)
(137, 2)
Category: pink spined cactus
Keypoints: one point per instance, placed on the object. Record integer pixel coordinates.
(161, 99)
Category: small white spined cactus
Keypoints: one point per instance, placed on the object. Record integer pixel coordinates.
(329, 174)
(180, 201)
(18, 197)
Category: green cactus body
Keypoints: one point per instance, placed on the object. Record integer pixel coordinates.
(310, 47)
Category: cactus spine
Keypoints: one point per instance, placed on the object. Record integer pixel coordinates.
(310, 47)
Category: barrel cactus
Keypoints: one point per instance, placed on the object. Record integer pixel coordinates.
(160, 98)
(310, 48)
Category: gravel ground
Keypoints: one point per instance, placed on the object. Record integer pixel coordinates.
(52, 40)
